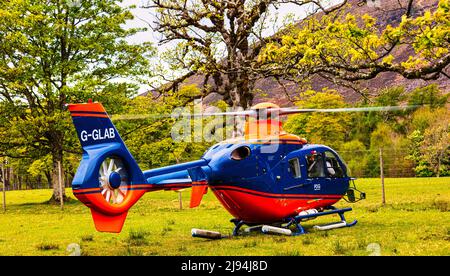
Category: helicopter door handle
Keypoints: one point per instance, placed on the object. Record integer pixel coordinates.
(292, 187)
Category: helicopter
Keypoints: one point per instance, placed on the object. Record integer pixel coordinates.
(267, 178)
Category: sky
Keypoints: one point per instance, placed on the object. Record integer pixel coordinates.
(144, 17)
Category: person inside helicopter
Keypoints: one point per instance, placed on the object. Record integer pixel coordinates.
(332, 165)
(315, 165)
(330, 168)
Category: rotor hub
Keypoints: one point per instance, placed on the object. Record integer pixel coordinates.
(114, 180)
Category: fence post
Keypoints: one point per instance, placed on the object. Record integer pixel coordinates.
(382, 177)
(179, 199)
(61, 199)
(4, 188)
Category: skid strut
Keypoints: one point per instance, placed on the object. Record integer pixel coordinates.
(295, 221)
(237, 225)
(332, 210)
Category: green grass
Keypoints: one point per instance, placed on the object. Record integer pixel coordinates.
(415, 221)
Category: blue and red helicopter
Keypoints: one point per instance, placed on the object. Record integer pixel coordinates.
(293, 182)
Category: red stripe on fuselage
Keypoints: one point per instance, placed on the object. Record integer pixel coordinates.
(146, 187)
(245, 190)
(252, 207)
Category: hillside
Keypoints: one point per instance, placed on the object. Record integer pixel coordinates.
(389, 12)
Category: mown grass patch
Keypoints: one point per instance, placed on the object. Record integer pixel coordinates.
(415, 221)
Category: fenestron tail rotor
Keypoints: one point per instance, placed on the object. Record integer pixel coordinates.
(113, 178)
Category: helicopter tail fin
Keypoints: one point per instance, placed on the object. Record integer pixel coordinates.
(199, 186)
(93, 124)
(108, 179)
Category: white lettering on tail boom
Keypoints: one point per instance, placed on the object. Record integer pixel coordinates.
(98, 134)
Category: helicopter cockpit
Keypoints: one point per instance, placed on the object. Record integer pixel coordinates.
(324, 164)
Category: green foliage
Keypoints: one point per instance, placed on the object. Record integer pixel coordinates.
(149, 139)
(354, 152)
(320, 128)
(429, 141)
(421, 169)
(435, 147)
(428, 95)
(359, 137)
(41, 165)
(53, 53)
(339, 46)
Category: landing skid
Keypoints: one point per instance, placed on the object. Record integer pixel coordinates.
(295, 221)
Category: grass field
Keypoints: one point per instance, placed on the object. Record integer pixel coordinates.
(415, 221)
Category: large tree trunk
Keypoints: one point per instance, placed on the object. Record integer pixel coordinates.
(238, 90)
(240, 96)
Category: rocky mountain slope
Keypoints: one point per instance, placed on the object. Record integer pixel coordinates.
(386, 12)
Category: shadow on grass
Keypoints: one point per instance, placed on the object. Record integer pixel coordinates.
(69, 202)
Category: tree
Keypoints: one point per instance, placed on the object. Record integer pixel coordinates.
(428, 95)
(435, 147)
(421, 167)
(329, 129)
(148, 137)
(355, 154)
(429, 141)
(219, 40)
(345, 49)
(55, 52)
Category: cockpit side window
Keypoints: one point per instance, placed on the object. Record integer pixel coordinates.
(294, 168)
(315, 165)
(333, 168)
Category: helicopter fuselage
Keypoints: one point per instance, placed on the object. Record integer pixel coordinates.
(268, 180)
(267, 176)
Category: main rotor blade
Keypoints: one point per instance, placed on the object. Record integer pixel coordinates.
(287, 111)
(129, 117)
(231, 113)
(268, 111)
(295, 110)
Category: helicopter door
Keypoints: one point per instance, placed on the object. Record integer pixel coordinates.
(315, 170)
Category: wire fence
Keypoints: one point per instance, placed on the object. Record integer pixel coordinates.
(367, 163)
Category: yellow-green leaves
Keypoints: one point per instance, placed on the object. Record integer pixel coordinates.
(349, 48)
(52, 54)
(388, 60)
